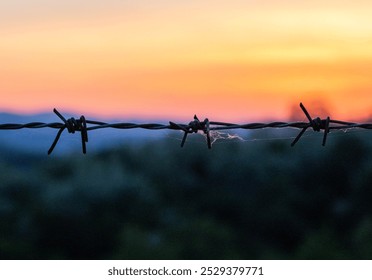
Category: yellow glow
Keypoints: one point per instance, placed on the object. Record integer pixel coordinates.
(235, 59)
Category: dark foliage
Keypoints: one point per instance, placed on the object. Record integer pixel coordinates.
(258, 200)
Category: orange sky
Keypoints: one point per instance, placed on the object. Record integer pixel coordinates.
(226, 60)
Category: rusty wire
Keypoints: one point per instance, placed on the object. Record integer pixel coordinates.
(81, 125)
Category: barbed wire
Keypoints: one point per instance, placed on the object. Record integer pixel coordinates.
(82, 125)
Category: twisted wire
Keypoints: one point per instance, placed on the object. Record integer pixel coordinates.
(84, 125)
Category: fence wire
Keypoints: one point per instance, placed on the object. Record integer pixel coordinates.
(83, 125)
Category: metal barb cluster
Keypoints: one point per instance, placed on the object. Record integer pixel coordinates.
(316, 124)
(72, 125)
(193, 127)
(81, 125)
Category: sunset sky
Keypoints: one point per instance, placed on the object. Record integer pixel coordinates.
(227, 60)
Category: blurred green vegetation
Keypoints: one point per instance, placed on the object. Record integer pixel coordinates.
(255, 200)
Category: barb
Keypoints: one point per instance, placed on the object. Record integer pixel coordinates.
(83, 125)
(72, 125)
(194, 127)
(316, 124)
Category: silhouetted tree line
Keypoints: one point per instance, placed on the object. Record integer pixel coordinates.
(255, 200)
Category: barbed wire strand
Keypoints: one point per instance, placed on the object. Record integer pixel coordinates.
(83, 125)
